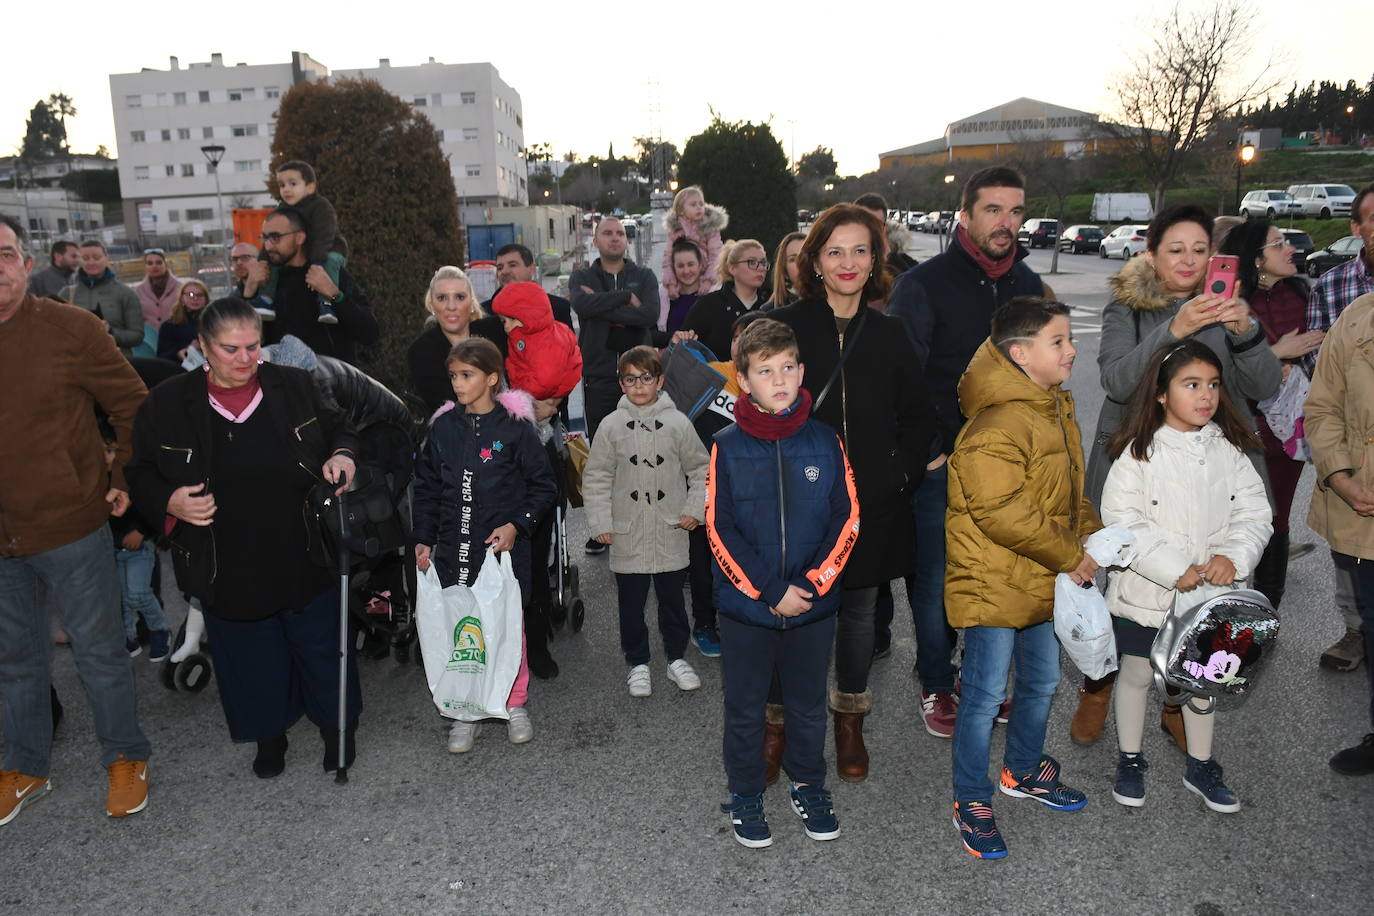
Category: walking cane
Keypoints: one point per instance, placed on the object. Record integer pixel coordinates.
(345, 561)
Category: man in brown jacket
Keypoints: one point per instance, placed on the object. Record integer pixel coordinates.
(56, 363)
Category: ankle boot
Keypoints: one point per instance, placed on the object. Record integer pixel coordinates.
(1271, 573)
(331, 747)
(271, 758)
(1094, 699)
(774, 741)
(851, 757)
(1171, 722)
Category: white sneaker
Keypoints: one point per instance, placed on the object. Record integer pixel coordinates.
(639, 681)
(519, 729)
(681, 673)
(461, 736)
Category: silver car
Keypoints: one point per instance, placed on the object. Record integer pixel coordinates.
(1124, 242)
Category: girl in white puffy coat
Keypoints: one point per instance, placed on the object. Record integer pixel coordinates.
(1183, 485)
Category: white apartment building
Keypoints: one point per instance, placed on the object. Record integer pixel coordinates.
(163, 119)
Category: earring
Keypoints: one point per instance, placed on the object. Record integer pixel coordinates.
(818, 275)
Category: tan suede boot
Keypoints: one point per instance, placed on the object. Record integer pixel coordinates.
(1094, 699)
(774, 741)
(851, 757)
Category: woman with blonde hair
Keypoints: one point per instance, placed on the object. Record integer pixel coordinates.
(742, 271)
(179, 331)
(454, 315)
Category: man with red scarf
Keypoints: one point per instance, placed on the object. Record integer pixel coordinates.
(946, 305)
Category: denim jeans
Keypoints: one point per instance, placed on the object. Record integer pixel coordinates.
(925, 588)
(1364, 582)
(988, 654)
(78, 579)
(136, 584)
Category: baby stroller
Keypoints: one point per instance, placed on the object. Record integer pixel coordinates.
(567, 597)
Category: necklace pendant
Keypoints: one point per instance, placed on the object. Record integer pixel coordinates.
(230, 434)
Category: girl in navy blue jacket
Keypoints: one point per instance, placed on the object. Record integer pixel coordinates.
(482, 480)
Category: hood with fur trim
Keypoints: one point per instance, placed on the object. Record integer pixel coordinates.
(1137, 285)
(715, 220)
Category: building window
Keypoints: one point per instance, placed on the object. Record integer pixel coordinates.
(170, 171)
(205, 213)
(137, 136)
(244, 130)
(140, 173)
(188, 170)
(248, 165)
(420, 101)
(173, 216)
(272, 92)
(207, 133)
(166, 135)
(240, 95)
(183, 133)
(497, 100)
(204, 96)
(161, 98)
(440, 134)
(178, 98)
(133, 101)
(469, 133)
(436, 99)
(472, 171)
(467, 98)
(501, 172)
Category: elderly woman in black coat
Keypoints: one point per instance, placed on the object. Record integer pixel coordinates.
(866, 382)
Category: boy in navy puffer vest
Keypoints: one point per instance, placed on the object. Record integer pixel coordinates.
(782, 518)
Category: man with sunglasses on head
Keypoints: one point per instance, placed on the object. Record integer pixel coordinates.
(299, 286)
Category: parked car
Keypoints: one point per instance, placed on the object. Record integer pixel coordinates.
(1268, 204)
(1333, 255)
(913, 219)
(1039, 233)
(1302, 243)
(1123, 242)
(1322, 200)
(1078, 239)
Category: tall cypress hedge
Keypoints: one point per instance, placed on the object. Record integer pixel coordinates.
(742, 167)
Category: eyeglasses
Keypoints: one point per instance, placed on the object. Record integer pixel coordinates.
(1279, 244)
(243, 257)
(148, 251)
(275, 237)
(194, 294)
(647, 379)
(754, 263)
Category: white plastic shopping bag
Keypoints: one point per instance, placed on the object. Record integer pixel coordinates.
(1084, 627)
(470, 639)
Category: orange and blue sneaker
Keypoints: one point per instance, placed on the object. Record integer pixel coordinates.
(1043, 785)
(978, 830)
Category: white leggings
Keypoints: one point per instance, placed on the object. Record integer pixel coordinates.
(1133, 684)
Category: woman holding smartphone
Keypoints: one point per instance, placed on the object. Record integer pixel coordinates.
(1161, 298)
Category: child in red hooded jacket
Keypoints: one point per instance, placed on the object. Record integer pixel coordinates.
(543, 358)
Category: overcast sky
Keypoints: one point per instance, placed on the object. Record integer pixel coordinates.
(860, 79)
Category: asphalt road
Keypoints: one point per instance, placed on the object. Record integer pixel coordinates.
(612, 806)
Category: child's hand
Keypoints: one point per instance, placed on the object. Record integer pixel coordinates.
(1086, 569)
(131, 541)
(687, 523)
(1189, 580)
(603, 538)
(793, 603)
(502, 539)
(421, 557)
(1218, 571)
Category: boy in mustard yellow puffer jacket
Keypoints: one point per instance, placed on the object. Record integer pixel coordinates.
(1017, 517)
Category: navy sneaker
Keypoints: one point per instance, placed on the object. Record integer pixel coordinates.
(133, 647)
(707, 641)
(1129, 788)
(1204, 778)
(1043, 785)
(159, 645)
(593, 547)
(746, 816)
(327, 315)
(978, 830)
(813, 806)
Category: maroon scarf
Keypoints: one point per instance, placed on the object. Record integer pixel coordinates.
(995, 269)
(761, 424)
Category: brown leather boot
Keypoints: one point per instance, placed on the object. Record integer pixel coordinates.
(1094, 698)
(774, 741)
(1171, 721)
(851, 757)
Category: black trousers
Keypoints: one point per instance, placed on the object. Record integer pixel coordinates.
(633, 593)
(750, 658)
(271, 671)
(699, 578)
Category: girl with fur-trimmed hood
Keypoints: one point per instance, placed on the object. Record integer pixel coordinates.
(694, 219)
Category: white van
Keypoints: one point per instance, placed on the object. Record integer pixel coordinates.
(1322, 200)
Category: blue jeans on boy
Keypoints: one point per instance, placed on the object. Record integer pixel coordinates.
(136, 583)
(633, 593)
(79, 580)
(988, 655)
(925, 588)
(1364, 584)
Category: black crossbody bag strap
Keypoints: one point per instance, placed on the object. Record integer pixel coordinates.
(859, 323)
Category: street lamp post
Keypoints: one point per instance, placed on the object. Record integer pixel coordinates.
(1244, 158)
(947, 230)
(213, 154)
(1350, 114)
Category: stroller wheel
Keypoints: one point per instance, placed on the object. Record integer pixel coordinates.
(166, 673)
(193, 674)
(578, 612)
